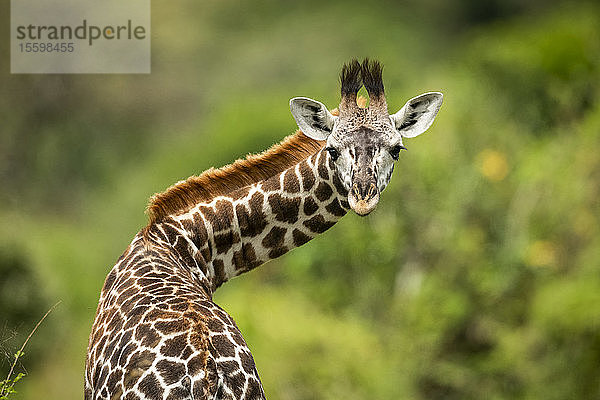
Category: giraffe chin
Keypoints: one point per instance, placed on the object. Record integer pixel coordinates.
(363, 207)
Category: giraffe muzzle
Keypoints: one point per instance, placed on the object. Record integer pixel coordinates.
(363, 198)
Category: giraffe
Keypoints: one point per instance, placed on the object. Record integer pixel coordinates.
(157, 332)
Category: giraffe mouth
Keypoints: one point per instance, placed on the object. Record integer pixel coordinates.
(363, 203)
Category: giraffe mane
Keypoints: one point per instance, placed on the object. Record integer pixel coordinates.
(243, 172)
(371, 73)
(350, 78)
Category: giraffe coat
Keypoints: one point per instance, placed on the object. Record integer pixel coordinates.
(157, 332)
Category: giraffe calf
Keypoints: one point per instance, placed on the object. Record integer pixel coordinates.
(157, 332)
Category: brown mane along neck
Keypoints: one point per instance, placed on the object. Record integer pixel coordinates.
(243, 172)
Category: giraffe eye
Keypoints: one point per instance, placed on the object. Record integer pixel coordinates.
(333, 153)
(395, 151)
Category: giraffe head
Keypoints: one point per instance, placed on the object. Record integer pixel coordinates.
(363, 143)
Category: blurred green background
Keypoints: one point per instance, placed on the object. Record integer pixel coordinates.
(478, 276)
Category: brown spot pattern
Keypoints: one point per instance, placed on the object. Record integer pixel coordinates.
(224, 241)
(174, 347)
(285, 209)
(224, 210)
(170, 371)
(300, 237)
(323, 191)
(247, 362)
(274, 238)
(254, 222)
(322, 167)
(199, 233)
(138, 364)
(245, 258)
(339, 186)
(151, 388)
(206, 253)
(290, 181)
(221, 217)
(310, 206)
(272, 184)
(278, 251)
(240, 193)
(318, 224)
(308, 178)
(196, 364)
(146, 335)
(335, 208)
(219, 267)
(223, 346)
(169, 327)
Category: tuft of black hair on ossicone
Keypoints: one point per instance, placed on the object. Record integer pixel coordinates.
(350, 78)
(371, 72)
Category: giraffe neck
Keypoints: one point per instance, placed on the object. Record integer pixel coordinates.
(233, 234)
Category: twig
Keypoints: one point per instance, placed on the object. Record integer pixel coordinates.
(27, 340)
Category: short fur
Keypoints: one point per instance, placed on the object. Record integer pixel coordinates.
(243, 172)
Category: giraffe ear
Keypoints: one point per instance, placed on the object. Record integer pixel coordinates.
(418, 114)
(312, 117)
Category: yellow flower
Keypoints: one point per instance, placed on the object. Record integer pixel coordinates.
(542, 253)
(492, 165)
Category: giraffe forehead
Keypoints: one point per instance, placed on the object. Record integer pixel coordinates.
(364, 140)
(365, 117)
(364, 127)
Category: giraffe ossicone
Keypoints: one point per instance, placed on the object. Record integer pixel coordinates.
(157, 333)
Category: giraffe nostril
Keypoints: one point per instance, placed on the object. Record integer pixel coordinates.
(372, 190)
(363, 190)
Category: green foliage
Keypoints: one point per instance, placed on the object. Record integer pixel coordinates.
(7, 386)
(476, 277)
(21, 302)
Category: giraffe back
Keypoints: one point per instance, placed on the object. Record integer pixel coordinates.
(158, 335)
